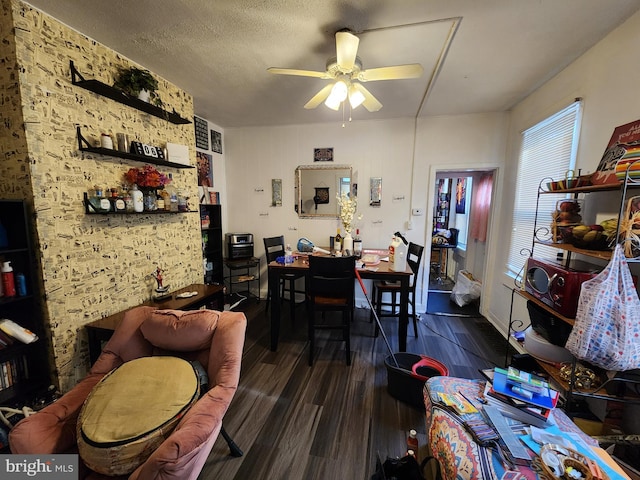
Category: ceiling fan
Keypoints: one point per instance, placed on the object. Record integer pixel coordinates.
(346, 69)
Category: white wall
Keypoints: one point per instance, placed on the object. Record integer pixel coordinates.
(607, 79)
(374, 149)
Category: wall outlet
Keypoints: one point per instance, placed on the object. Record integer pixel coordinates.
(409, 225)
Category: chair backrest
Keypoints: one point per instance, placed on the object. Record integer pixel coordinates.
(332, 277)
(274, 247)
(414, 257)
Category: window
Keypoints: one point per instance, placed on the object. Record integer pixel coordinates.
(548, 150)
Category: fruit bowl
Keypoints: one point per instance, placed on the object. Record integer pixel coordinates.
(589, 237)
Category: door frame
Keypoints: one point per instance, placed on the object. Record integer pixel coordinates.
(490, 253)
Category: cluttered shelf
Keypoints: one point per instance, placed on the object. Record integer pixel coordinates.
(617, 388)
(602, 254)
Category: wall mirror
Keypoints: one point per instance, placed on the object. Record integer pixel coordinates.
(316, 189)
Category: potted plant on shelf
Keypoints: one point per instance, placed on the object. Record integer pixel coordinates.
(138, 83)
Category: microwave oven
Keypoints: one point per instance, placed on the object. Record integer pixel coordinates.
(558, 285)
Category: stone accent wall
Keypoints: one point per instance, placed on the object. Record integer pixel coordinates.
(92, 265)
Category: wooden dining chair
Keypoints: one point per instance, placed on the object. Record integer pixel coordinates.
(414, 257)
(274, 248)
(331, 288)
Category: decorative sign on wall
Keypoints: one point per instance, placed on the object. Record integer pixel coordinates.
(375, 191)
(216, 141)
(202, 133)
(276, 192)
(323, 154)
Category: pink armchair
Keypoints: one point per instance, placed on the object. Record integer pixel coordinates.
(215, 339)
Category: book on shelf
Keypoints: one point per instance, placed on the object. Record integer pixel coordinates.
(5, 340)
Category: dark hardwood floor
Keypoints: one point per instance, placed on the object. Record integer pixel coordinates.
(328, 421)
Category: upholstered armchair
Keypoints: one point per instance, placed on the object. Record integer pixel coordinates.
(215, 339)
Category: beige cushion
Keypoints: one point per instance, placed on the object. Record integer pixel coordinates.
(130, 412)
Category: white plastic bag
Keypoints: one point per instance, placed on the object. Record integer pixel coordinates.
(466, 289)
(606, 331)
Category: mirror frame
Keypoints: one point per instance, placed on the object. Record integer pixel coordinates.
(332, 195)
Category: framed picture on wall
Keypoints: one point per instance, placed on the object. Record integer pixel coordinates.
(202, 127)
(216, 141)
(205, 169)
(461, 195)
(323, 154)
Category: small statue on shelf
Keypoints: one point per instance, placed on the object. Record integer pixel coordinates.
(158, 276)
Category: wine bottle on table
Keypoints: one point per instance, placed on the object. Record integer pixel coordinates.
(337, 243)
(357, 244)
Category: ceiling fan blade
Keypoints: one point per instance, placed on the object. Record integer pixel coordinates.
(346, 50)
(371, 103)
(398, 72)
(301, 73)
(319, 97)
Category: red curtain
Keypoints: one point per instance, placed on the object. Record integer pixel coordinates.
(481, 207)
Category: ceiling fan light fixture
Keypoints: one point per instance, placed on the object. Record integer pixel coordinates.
(337, 96)
(355, 97)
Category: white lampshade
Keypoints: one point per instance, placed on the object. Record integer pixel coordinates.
(337, 96)
(356, 97)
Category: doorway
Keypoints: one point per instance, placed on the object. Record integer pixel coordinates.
(462, 206)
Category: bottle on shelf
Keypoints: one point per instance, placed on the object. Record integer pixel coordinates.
(412, 442)
(138, 200)
(173, 195)
(166, 200)
(182, 203)
(21, 284)
(128, 201)
(337, 242)
(8, 280)
(159, 201)
(357, 244)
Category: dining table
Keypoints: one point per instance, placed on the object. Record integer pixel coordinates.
(377, 271)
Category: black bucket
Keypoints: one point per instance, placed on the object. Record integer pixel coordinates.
(406, 381)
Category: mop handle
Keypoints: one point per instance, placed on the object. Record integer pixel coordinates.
(364, 290)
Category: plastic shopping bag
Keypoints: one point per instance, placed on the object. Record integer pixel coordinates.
(466, 289)
(606, 331)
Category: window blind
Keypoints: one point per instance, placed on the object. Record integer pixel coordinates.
(548, 150)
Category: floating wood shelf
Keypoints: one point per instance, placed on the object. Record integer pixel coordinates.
(85, 146)
(113, 93)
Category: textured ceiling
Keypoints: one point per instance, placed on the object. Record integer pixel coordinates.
(478, 56)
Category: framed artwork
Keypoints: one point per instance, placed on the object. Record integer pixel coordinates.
(202, 133)
(323, 154)
(375, 191)
(214, 197)
(205, 169)
(461, 194)
(216, 141)
(276, 192)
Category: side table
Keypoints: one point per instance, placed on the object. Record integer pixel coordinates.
(243, 271)
(100, 331)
